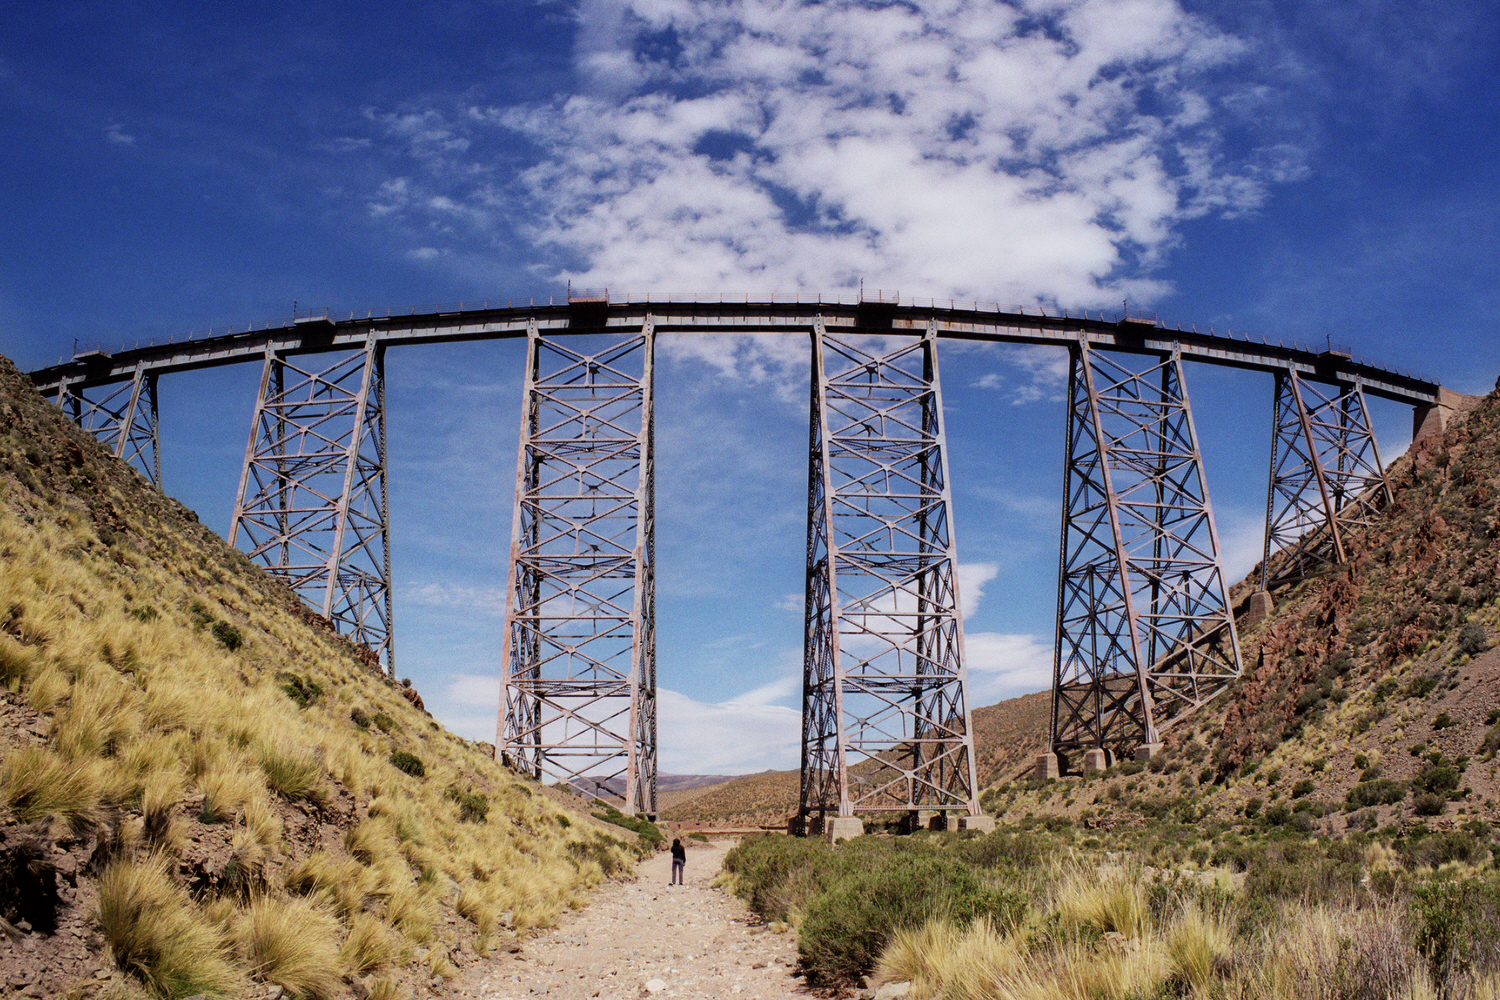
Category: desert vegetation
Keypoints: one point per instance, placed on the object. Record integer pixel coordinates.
(1059, 912)
(213, 787)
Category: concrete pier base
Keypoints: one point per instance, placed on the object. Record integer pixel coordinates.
(1259, 610)
(837, 828)
(1146, 751)
(1094, 760)
(984, 824)
(1047, 767)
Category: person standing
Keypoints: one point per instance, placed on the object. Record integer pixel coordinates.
(679, 862)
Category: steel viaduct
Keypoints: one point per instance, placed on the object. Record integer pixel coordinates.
(1145, 631)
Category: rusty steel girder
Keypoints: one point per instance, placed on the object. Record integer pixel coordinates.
(312, 503)
(885, 724)
(579, 706)
(1145, 635)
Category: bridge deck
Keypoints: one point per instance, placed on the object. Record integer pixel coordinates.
(673, 314)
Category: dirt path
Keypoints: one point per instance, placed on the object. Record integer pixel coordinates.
(645, 938)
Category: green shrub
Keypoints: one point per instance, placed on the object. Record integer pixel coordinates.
(409, 763)
(1444, 721)
(1439, 778)
(359, 717)
(472, 807)
(1382, 791)
(1473, 639)
(639, 825)
(298, 688)
(1421, 687)
(1252, 807)
(385, 723)
(1428, 804)
(847, 927)
(229, 637)
(1303, 787)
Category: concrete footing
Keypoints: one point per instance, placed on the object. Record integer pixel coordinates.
(837, 828)
(1146, 751)
(1259, 610)
(1094, 760)
(984, 824)
(1047, 767)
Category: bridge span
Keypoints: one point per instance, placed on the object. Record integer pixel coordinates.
(1145, 632)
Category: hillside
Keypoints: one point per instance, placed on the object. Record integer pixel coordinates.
(205, 790)
(1371, 696)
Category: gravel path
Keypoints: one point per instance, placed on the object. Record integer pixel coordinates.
(644, 938)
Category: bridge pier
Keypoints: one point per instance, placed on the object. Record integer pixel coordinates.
(1145, 635)
(312, 503)
(124, 419)
(1326, 477)
(885, 723)
(579, 704)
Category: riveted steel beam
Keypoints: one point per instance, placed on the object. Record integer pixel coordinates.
(312, 505)
(579, 706)
(885, 723)
(1145, 636)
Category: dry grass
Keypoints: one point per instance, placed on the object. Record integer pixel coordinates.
(292, 944)
(153, 931)
(36, 783)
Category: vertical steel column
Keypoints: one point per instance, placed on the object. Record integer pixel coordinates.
(580, 614)
(1144, 632)
(1327, 479)
(312, 500)
(885, 723)
(125, 420)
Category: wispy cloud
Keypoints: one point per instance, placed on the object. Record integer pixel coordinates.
(117, 135)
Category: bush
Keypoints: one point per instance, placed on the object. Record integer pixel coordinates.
(1444, 721)
(359, 717)
(1382, 791)
(409, 763)
(1439, 778)
(385, 723)
(298, 688)
(847, 927)
(639, 825)
(1303, 787)
(472, 807)
(229, 637)
(1428, 804)
(1252, 807)
(1473, 639)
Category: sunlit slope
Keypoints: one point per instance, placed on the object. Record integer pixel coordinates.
(203, 787)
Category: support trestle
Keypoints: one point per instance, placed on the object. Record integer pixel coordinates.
(1327, 481)
(312, 501)
(885, 724)
(580, 650)
(123, 419)
(1145, 636)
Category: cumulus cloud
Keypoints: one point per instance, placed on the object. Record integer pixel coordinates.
(747, 734)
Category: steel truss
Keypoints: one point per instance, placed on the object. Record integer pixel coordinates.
(312, 500)
(124, 420)
(1327, 479)
(580, 614)
(1144, 632)
(884, 722)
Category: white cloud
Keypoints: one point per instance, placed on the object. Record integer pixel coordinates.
(484, 600)
(1003, 665)
(746, 734)
(117, 135)
(1035, 152)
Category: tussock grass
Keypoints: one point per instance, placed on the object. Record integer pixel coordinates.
(154, 932)
(292, 772)
(292, 944)
(370, 945)
(36, 783)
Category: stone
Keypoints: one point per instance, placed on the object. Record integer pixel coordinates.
(893, 991)
(655, 986)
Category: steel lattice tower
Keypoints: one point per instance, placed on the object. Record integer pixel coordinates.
(124, 420)
(884, 722)
(1144, 635)
(1326, 477)
(312, 499)
(580, 648)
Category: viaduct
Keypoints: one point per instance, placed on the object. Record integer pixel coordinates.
(1145, 633)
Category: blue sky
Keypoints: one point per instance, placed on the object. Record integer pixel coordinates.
(1294, 170)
